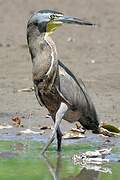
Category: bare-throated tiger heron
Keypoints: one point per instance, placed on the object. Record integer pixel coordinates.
(56, 87)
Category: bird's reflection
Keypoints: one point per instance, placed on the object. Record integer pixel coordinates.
(85, 174)
(54, 170)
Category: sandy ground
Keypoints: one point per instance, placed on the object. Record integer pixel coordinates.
(91, 53)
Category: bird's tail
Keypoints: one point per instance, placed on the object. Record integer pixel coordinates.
(90, 119)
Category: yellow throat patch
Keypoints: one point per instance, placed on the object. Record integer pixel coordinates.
(52, 25)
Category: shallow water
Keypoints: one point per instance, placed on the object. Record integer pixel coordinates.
(21, 160)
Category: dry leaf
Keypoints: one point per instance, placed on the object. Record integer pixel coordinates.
(17, 121)
(73, 134)
(79, 127)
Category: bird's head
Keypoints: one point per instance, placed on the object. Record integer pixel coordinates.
(48, 20)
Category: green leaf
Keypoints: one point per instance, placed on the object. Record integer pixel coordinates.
(110, 128)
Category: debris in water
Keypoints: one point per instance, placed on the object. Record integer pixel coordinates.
(92, 157)
(29, 131)
(97, 153)
(19, 146)
(98, 168)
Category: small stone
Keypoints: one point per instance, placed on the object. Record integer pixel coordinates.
(92, 61)
(69, 39)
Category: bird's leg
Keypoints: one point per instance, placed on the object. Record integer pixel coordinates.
(59, 115)
(59, 136)
(59, 139)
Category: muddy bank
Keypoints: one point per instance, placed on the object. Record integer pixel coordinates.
(91, 53)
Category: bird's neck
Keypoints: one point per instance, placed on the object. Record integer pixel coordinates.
(52, 46)
(43, 54)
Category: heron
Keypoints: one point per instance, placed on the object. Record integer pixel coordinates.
(56, 87)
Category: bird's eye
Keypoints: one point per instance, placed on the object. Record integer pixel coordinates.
(52, 16)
